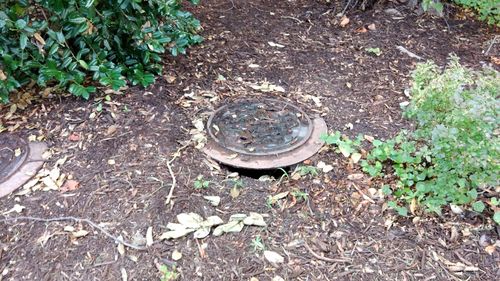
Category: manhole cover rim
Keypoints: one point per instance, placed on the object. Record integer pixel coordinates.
(18, 160)
(274, 152)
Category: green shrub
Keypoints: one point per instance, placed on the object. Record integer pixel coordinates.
(489, 10)
(453, 154)
(69, 42)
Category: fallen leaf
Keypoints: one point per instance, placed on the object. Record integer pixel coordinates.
(79, 233)
(371, 26)
(174, 234)
(214, 200)
(273, 199)
(361, 30)
(189, 220)
(344, 21)
(273, 257)
(39, 38)
(69, 228)
(124, 274)
(357, 176)
(74, 137)
(149, 236)
(111, 130)
(324, 167)
(490, 249)
(176, 255)
(235, 192)
(121, 247)
(170, 79)
(356, 157)
(254, 219)
(70, 185)
(201, 233)
(272, 44)
(212, 221)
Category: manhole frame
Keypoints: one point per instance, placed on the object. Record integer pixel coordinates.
(312, 145)
(25, 152)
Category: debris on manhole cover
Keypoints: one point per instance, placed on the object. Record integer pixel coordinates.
(262, 134)
(19, 161)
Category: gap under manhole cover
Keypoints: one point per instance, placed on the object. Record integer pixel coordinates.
(262, 134)
(19, 161)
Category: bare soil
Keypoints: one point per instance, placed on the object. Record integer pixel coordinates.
(341, 232)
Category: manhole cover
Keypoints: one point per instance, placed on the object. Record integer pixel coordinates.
(262, 134)
(259, 127)
(19, 161)
(13, 154)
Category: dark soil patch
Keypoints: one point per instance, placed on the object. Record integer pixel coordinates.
(118, 149)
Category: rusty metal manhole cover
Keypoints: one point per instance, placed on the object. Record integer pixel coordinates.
(13, 154)
(19, 161)
(262, 134)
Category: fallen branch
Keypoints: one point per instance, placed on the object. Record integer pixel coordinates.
(91, 223)
(322, 257)
(412, 55)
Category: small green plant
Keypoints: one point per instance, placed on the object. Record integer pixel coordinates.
(453, 153)
(299, 195)
(343, 144)
(307, 170)
(200, 183)
(237, 183)
(168, 274)
(257, 244)
(375, 51)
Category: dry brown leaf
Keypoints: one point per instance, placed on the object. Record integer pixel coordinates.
(74, 137)
(361, 30)
(344, 21)
(111, 130)
(39, 38)
(70, 185)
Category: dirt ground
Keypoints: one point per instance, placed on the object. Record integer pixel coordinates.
(117, 149)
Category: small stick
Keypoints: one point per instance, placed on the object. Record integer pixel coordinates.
(363, 194)
(171, 192)
(292, 18)
(493, 41)
(91, 223)
(412, 55)
(321, 257)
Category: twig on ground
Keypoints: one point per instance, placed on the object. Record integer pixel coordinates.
(292, 18)
(91, 223)
(493, 42)
(363, 194)
(322, 257)
(172, 187)
(412, 55)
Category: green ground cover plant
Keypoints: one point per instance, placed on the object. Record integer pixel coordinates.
(69, 43)
(452, 156)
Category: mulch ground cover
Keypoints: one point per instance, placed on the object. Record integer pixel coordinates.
(123, 150)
